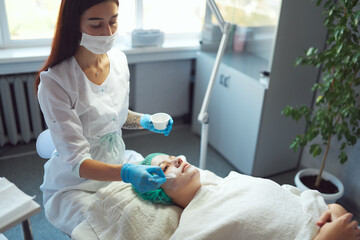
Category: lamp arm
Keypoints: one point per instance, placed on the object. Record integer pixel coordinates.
(203, 116)
(219, 18)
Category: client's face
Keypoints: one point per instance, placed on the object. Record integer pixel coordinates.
(187, 177)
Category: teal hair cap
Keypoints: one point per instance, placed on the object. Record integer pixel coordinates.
(158, 195)
(147, 160)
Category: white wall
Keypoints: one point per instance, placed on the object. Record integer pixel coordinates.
(289, 85)
(348, 173)
(162, 86)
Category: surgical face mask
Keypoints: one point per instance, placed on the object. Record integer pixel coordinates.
(98, 44)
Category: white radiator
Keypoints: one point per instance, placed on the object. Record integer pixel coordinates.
(20, 116)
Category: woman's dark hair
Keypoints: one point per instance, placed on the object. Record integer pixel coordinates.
(67, 32)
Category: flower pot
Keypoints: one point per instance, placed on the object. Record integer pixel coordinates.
(329, 198)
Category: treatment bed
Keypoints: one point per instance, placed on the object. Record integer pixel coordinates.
(118, 213)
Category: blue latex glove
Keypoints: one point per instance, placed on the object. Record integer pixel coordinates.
(142, 177)
(146, 123)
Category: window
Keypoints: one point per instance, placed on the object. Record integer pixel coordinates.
(32, 22)
(34, 19)
(23, 22)
(255, 23)
(250, 13)
(126, 19)
(174, 16)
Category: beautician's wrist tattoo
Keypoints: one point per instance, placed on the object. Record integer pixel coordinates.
(132, 121)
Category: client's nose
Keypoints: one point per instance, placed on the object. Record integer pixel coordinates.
(178, 162)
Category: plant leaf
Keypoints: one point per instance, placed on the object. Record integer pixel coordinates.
(343, 157)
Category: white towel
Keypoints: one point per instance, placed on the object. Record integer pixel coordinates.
(244, 207)
(118, 213)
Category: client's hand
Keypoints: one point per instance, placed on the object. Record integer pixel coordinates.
(341, 228)
(146, 123)
(141, 177)
(334, 212)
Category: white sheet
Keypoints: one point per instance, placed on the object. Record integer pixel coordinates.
(237, 207)
(119, 213)
(243, 207)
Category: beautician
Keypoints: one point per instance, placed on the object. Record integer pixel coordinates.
(83, 91)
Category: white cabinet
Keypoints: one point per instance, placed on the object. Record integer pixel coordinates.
(234, 111)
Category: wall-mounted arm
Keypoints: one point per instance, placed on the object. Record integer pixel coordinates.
(215, 10)
(203, 117)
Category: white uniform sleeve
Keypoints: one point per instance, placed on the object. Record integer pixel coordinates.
(64, 123)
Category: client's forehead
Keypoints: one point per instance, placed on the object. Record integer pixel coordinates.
(161, 158)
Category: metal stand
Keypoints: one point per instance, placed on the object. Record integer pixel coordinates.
(203, 117)
(27, 230)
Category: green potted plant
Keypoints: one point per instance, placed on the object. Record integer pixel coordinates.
(336, 111)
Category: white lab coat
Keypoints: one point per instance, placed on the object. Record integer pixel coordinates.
(85, 122)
